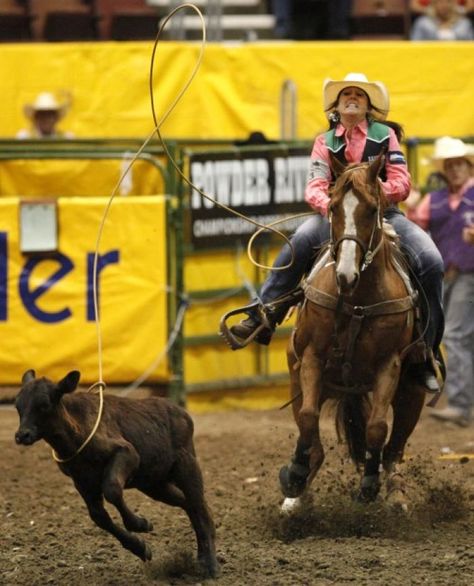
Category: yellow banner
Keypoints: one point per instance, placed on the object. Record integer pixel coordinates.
(56, 178)
(210, 361)
(46, 303)
(237, 89)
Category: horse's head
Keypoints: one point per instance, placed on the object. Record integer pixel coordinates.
(355, 213)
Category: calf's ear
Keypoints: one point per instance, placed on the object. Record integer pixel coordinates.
(69, 382)
(28, 377)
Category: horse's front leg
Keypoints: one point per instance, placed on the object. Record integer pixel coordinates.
(309, 454)
(377, 427)
(407, 407)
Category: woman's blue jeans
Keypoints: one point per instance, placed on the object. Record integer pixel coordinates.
(424, 258)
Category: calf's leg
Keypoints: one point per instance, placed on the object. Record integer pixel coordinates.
(122, 465)
(187, 476)
(101, 518)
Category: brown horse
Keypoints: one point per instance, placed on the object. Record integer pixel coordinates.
(352, 336)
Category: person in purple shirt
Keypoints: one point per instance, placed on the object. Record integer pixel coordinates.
(448, 214)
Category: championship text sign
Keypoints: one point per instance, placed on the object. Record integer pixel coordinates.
(263, 185)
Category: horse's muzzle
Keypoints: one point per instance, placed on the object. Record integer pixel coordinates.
(347, 284)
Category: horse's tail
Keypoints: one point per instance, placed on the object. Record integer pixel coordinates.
(351, 419)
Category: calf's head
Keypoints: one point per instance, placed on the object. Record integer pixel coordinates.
(37, 404)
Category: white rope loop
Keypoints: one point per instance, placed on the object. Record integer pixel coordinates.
(101, 386)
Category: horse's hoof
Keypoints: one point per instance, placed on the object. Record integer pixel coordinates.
(397, 501)
(366, 496)
(292, 484)
(369, 489)
(290, 506)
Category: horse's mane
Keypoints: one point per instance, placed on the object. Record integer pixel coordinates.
(355, 175)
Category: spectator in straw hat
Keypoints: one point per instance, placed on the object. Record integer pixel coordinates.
(358, 131)
(45, 113)
(449, 216)
(443, 22)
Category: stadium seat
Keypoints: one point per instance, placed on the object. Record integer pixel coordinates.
(123, 20)
(380, 19)
(15, 21)
(64, 20)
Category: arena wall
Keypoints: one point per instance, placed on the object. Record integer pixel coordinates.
(46, 303)
(237, 88)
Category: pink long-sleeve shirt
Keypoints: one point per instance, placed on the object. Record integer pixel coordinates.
(421, 214)
(396, 187)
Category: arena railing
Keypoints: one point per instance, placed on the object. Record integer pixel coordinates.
(179, 250)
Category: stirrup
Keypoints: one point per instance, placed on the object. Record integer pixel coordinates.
(269, 315)
(229, 337)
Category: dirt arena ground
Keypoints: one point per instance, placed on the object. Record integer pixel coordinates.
(48, 538)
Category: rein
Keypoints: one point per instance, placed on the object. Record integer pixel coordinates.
(368, 254)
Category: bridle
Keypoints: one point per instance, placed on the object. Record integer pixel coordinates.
(368, 252)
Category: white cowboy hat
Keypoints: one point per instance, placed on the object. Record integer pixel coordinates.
(46, 102)
(451, 148)
(376, 91)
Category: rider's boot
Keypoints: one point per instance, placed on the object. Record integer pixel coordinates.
(246, 327)
(271, 314)
(424, 373)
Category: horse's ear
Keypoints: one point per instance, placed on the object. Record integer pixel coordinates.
(376, 166)
(336, 166)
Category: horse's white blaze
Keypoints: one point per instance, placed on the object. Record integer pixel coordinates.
(347, 256)
(290, 506)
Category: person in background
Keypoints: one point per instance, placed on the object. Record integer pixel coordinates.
(443, 22)
(283, 12)
(255, 138)
(320, 19)
(448, 214)
(44, 114)
(358, 131)
(339, 15)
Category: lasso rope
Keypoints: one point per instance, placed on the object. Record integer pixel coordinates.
(100, 384)
(94, 429)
